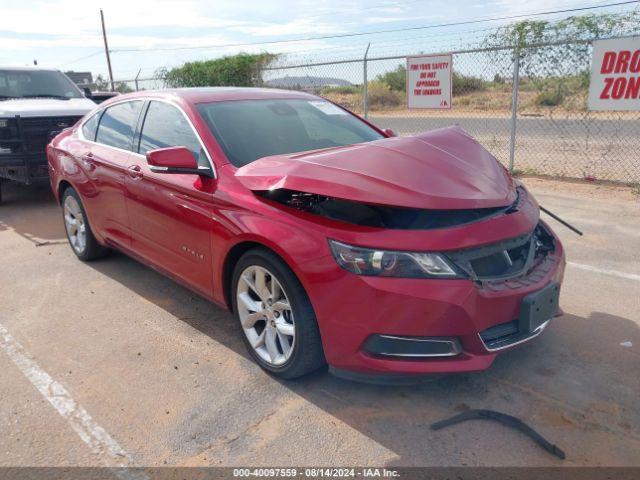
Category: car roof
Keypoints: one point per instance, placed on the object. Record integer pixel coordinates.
(28, 69)
(217, 94)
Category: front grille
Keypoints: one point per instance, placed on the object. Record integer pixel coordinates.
(507, 259)
(36, 133)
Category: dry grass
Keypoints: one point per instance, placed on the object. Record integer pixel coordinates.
(495, 99)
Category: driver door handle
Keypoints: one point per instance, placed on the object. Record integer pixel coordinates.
(135, 172)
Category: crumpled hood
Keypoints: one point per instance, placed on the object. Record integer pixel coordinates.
(45, 107)
(440, 169)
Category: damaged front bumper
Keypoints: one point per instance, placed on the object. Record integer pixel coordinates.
(390, 327)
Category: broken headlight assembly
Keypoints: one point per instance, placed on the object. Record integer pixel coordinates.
(387, 263)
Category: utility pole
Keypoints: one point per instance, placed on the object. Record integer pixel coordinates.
(106, 50)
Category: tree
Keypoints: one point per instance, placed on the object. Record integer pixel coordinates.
(102, 84)
(561, 68)
(242, 70)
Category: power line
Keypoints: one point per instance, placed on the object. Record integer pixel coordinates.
(371, 7)
(444, 41)
(83, 58)
(377, 32)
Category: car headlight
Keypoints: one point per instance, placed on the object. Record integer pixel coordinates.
(386, 263)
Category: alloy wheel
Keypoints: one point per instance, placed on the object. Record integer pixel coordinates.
(75, 224)
(265, 315)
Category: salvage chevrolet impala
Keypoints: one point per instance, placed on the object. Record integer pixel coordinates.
(331, 241)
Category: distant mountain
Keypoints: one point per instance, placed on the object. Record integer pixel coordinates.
(307, 82)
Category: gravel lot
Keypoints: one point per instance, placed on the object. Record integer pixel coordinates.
(114, 348)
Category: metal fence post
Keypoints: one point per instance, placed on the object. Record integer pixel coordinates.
(514, 107)
(365, 85)
(136, 80)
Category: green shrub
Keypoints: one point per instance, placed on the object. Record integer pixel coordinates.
(549, 98)
(463, 84)
(396, 79)
(566, 90)
(499, 79)
(242, 70)
(343, 90)
(381, 95)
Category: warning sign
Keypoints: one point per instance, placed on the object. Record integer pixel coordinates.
(429, 81)
(615, 75)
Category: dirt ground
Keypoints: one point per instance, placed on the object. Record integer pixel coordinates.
(140, 371)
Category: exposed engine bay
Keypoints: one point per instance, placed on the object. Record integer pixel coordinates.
(381, 216)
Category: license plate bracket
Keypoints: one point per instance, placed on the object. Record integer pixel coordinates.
(538, 307)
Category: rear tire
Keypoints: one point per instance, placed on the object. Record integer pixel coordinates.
(79, 233)
(278, 325)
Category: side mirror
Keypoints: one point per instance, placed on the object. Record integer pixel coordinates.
(389, 133)
(87, 92)
(175, 160)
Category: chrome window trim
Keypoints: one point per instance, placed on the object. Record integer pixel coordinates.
(533, 335)
(145, 99)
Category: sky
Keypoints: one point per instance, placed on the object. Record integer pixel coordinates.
(66, 34)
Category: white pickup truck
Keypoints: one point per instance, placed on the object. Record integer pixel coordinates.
(35, 105)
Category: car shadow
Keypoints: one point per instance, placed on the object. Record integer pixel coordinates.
(31, 212)
(576, 382)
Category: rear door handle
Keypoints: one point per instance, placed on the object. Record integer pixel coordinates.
(134, 171)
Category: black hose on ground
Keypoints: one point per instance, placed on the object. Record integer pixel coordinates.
(505, 419)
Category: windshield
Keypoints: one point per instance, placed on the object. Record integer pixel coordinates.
(251, 129)
(36, 84)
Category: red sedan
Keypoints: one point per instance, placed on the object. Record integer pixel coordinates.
(331, 241)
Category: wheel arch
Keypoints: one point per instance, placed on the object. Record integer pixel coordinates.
(63, 185)
(235, 253)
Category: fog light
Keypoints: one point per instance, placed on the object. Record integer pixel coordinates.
(412, 347)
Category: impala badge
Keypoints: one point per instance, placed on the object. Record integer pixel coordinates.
(193, 253)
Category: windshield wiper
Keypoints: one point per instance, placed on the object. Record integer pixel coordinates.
(45, 95)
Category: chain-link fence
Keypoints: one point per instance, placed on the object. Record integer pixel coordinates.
(527, 105)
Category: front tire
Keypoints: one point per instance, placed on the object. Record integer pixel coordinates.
(79, 233)
(275, 316)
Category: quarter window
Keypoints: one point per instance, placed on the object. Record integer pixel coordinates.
(90, 127)
(118, 124)
(165, 126)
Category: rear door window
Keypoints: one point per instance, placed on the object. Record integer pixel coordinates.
(118, 123)
(165, 126)
(90, 127)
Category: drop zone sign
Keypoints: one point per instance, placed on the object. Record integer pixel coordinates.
(429, 81)
(615, 75)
